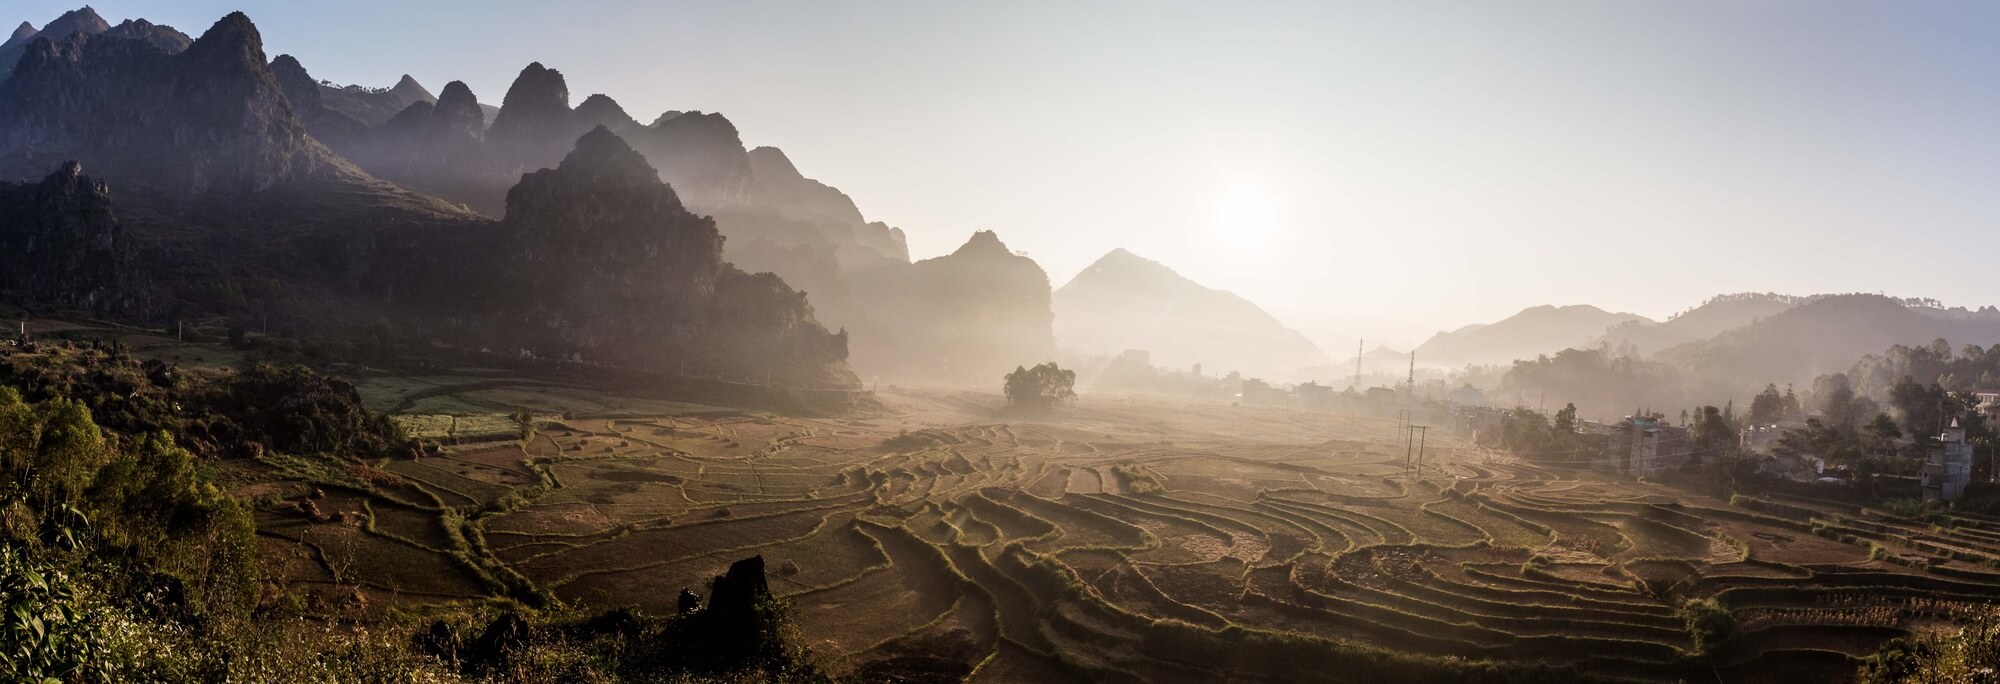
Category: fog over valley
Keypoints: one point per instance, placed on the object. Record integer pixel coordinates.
(916, 342)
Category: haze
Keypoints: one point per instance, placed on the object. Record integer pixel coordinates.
(1421, 164)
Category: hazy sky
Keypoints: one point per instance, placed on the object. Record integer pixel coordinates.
(1380, 169)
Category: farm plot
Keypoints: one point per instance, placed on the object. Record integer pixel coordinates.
(942, 536)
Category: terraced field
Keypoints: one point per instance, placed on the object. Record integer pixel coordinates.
(1135, 540)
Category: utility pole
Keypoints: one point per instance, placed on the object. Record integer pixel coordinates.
(1424, 432)
(1359, 343)
(1411, 387)
(1409, 447)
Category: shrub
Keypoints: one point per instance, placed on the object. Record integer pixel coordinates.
(1710, 623)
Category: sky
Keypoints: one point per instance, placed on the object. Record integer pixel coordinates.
(1377, 170)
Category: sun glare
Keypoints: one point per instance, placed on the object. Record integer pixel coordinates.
(1244, 216)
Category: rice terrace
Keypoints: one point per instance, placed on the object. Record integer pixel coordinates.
(919, 343)
(1137, 539)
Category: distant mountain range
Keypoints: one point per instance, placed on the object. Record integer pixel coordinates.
(163, 177)
(1713, 317)
(229, 204)
(1827, 334)
(1534, 331)
(1124, 301)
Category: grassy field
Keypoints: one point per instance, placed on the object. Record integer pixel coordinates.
(1135, 540)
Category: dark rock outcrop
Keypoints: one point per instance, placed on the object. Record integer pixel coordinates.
(502, 640)
(60, 246)
(735, 595)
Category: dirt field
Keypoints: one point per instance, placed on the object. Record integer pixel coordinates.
(999, 548)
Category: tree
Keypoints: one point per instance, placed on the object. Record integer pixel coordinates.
(1046, 387)
(1840, 407)
(1711, 433)
(1921, 408)
(1767, 406)
(1566, 421)
(1882, 433)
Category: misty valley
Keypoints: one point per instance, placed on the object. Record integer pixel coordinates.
(304, 381)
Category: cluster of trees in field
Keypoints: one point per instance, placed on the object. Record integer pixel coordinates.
(1044, 388)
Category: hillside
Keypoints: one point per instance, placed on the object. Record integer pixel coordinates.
(971, 315)
(1712, 318)
(1525, 335)
(1124, 301)
(1826, 335)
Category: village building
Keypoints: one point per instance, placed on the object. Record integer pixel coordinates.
(1947, 464)
(1645, 446)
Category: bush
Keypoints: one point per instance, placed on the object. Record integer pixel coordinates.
(1046, 387)
(1710, 623)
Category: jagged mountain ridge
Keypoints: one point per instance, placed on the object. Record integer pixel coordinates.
(232, 192)
(81, 20)
(777, 220)
(207, 129)
(1124, 301)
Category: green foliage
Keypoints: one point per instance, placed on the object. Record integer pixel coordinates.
(1767, 407)
(1711, 435)
(1968, 656)
(1710, 623)
(524, 419)
(45, 631)
(1046, 387)
(1894, 662)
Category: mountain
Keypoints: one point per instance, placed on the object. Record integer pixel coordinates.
(1713, 317)
(374, 106)
(598, 259)
(1525, 335)
(330, 192)
(61, 246)
(859, 244)
(1124, 301)
(327, 125)
(408, 91)
(206, 130)
(971, 315)
(1825, 335)
(20, 36)
(82, 20)
(776, 219)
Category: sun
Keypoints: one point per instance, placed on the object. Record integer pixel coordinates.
(1244, 216)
